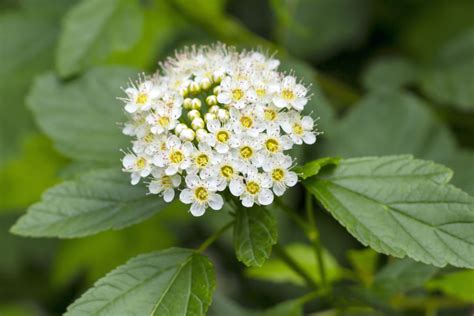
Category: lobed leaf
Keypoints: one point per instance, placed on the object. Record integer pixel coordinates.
(97, 201)
(400, 206)
(93, 29)
(82, 116)
(255, 232)
(172, 282)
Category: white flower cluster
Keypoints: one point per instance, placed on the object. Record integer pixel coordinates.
(218, 119)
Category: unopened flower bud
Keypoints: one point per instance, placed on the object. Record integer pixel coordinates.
(211, 100)
(187, 134)
(197, 123)
(206, 83)
(187, 104)
(223, 115)
(194, 87)
(201, 133)
(210, 117)
(196, 104)
(179, 128)
(193, 114)
(214, 109)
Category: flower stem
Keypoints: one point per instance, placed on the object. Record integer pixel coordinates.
(294, 266)
(314, 238)
(211, 239)
(297, 219)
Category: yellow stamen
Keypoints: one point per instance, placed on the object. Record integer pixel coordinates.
(201, 194)
(272, 145)
(252, 187)
(278, 174)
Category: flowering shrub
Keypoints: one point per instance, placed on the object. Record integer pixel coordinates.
(214, 119)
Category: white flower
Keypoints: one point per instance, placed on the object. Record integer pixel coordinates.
(221, 120)
(163, 184)
(253, 189)
(291, 94)
(201, 194)
(300, 129)
(141, 98)
(176, 157)
(233, 92)
(139, 166)
(221, 137)
(279, 173)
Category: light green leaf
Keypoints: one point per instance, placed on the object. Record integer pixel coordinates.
(97, 201)
(459, 284)
(401, 276)
(365, 263)
(22, 180)
(255, 232)
(288, 308)
(389, 73)
(312, 168)
(275, 270)
(398, 123)
(93, 29)
(82, 116)
(171, 282)
(402, 207)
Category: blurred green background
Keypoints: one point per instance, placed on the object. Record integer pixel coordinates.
(388, 77)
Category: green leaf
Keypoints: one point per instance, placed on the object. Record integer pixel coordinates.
(402, 207)
(28, 37)
(275, 270)
(389, 73)
(93, 256)
(459, 284)
(398, 123)
(449, 81)
(288, 308)
(255, 232)
(169, 282)
(82, 116)
(401, 276)
(93, 29)
(312, 168)
(97, 201)
(317, 29)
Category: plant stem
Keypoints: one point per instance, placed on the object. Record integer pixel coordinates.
(314, 238)
(211, 239)
(294, 266)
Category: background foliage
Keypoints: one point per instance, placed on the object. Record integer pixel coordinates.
(388, 77)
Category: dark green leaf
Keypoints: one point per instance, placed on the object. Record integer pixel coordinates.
(97, 201)
(402, 275)
(255, 232)
(82, 116)
(174, 282)
(93, 29)
(389, 73)
(400, 206)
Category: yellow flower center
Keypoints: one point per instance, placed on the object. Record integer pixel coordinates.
(176, 156)
(164, 121)
(141, 98)
(202, 160)
(252, 187)
(227, 171)
(222, 136)
(237, 94)
(261, 92)
(278, 174)
(140, 163)
(201, 194)
(246, 152)
(272, 145)
(287, 94)
(269, 115)
(149, 138)
(246, 121)
(298, 129)
(166, 181)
